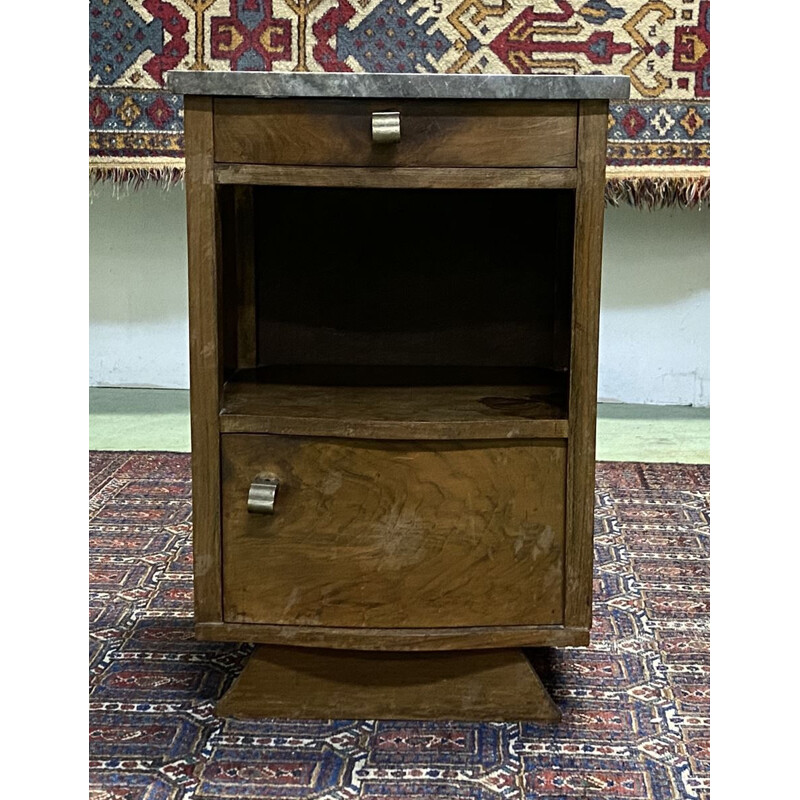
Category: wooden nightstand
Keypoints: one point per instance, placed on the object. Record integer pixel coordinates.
(394, 291)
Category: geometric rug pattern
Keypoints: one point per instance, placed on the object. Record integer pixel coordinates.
(635, 703)
(658, 138)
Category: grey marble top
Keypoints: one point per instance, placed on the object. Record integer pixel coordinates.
(396, 85)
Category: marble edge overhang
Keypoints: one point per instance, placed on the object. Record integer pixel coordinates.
(421, 86)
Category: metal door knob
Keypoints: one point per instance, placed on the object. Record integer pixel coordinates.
(261, 497)
(386, 127)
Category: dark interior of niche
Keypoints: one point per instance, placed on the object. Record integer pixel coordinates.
(382, 281)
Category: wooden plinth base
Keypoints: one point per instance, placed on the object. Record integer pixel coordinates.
(303, 683)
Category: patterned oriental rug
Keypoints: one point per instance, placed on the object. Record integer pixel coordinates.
(635, 704)
(658, 143)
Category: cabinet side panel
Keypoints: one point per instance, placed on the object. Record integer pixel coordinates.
(592, 125)
(204, 355)
(245, 278)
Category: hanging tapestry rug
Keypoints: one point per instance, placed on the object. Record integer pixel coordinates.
(658, 141)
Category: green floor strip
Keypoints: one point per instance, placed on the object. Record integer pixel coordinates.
(653, 433)
(139, 419)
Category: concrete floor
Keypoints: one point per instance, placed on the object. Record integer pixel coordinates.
(158, 419)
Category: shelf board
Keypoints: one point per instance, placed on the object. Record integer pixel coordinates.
(371, 403)
(399, 177)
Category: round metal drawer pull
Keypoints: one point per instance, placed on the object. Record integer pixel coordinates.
(386, 127)
(261, 497)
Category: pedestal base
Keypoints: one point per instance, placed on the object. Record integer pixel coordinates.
(303, 683)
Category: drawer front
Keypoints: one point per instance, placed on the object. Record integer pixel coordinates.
(432, 133)
(387, 534)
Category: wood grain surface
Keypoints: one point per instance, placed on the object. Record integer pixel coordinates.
(251, 404)
(394, 534)
(433, 134)
(413, 516)
(583, 363)
(395, 639)
(205, 354)
(398, 177)
(244, 311)
(295, 683)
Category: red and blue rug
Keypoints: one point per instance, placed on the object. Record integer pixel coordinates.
(658, 142)
(635, 704)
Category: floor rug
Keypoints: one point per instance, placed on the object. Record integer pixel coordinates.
(635, 704)
(658, 142)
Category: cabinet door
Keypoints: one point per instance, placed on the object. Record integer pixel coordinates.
(394, 534)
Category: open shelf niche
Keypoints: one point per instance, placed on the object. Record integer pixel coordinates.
(396, 314)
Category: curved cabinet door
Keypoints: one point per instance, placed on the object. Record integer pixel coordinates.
(393, 534)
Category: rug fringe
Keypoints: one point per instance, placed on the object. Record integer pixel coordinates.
(125, 180)
(651, 193)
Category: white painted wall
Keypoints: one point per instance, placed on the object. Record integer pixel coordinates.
(138, 304)
(654, 324)
(654, 308)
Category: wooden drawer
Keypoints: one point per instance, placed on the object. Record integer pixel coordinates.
(389, 534)
(433, 134)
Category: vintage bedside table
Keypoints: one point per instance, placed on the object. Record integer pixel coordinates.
(394, 287)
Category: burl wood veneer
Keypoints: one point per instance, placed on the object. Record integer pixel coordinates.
(394, 293)
(388, 534)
